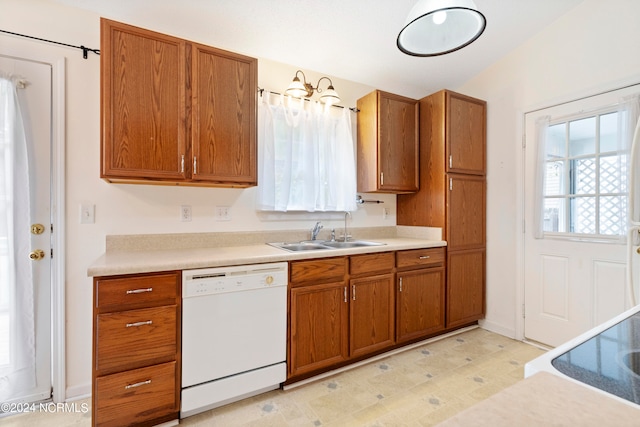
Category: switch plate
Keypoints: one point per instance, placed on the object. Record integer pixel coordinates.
(87, 213)
(222, 213)
(185, 213)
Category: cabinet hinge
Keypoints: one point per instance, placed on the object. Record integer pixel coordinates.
(523, 315)
(51, 252)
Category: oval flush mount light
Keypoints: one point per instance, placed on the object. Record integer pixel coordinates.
(437, 27)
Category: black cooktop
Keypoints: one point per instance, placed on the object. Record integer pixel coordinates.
(609, 361)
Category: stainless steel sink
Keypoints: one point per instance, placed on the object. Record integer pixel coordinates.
(299, 246)
(323, 245)
(352, 244)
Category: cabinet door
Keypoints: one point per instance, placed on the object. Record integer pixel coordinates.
(319, 328)
(466, 134)
(143, 125)
(465, 287)
(420, 303)
(372, 314)
(224, 116)
(398, 143)
(466, 212)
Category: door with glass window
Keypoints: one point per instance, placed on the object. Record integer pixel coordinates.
(25, 231)
(575, 203)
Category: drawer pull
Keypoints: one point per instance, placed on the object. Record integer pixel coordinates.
(141, 383)
(136, 324)
(139, 291)
(424, 257)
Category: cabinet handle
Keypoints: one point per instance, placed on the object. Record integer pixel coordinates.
(345, 294)
(139, 291)
(137, 324)
(381, 178)
(127, 387)
(353, 292)
(450, 161)
(194, 165)
(424, 257)
(401, 284)
(450, 183)
(182, 164)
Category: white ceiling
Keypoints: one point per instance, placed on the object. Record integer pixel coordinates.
(349, 39)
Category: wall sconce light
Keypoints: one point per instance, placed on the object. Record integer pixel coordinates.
(437, 27)
(299, 89)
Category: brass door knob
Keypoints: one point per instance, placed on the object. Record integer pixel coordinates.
(37, 229)
(36, 255)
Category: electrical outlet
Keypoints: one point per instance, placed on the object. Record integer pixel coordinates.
(222, 213)
(385, 213)
(185, 213)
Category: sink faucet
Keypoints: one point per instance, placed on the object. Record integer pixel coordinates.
(346, 235)
(316, 230)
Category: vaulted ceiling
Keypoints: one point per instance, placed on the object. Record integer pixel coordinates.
(350, 39)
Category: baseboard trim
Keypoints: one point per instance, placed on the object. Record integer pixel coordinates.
(497, 328)
(77, 392)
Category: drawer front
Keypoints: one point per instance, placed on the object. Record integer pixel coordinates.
(149, 290)
(132, 397)
(433, 257)
(372, 263)
(318, 271)
(135, 338)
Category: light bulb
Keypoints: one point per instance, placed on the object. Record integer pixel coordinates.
(439, 17)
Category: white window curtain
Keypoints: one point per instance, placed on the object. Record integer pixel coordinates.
(17, 330)
(627, 128)
(306, 158)
(542, 126)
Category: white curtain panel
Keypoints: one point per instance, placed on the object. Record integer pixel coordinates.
(306, 158)
(17, 331)
(628, 126)
(542, 126)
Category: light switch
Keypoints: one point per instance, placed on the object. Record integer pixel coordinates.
(87, 213)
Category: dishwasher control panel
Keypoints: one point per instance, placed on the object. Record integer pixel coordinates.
(209, 281)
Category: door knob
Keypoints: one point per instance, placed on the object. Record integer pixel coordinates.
(36, 255)
(37, 229)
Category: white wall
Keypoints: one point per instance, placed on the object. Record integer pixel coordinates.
(133, 209)
(592, 48)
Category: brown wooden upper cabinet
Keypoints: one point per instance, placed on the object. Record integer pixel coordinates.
(387, 143)
(175, 112)
(465, 120)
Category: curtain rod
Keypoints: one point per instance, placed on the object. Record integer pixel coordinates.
(354, 109)
(83, 48)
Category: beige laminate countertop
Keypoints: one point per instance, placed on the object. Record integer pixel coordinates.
(545, 399)
(145, 261)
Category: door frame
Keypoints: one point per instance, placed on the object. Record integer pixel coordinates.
(58, 212)
(520, 183)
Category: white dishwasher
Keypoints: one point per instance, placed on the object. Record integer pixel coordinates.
(234, 325)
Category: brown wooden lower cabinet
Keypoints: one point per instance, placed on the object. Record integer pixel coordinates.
(465, 287)
(371, 314)
(136, 349)
(318, 333)
(421, 304)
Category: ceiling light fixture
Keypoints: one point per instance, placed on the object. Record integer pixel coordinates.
(437, 27)
(299, 89)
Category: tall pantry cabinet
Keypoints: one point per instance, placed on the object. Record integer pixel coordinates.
(452, 196)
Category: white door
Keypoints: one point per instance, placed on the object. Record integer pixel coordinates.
(574, 276)
(15, 323)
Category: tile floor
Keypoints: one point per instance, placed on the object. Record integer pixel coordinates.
(418, 387)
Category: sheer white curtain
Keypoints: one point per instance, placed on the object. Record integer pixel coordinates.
(17, 331)
(542, 126)
(306, 159)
